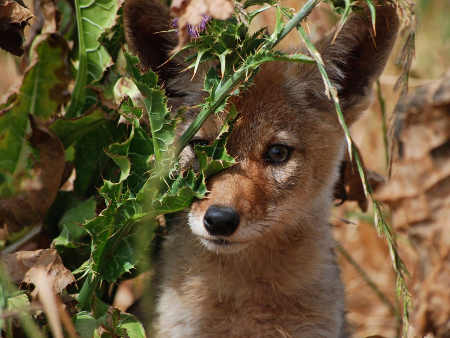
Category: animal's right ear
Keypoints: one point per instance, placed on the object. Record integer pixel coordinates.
(356, 57)
(150, 36)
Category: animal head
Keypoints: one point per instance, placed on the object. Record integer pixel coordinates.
(287, 139)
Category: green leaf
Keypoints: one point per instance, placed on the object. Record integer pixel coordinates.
(118, 152)
(97, 16)
(91, 161)
(215, 158)
(278, 23)
(112, 249)
(133, 327)
(198, 59)
(16, 302)
(71, 130)
(71, 224)
(114, 37)
(155, 102)
(141, 157)
(222, 59)
(67, 21)
(162, 129)
(70, 236)
(36, 96)
(93, 18)
(212, 81)
(278, 56)
(121, 259)
(130, 111)
(249, 3)
(80, 213)
(146, 81)
(85, 324)
(180, 194)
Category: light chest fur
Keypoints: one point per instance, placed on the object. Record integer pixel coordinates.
(272, 293)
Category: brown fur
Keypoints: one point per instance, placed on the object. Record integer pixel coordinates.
(280, 277)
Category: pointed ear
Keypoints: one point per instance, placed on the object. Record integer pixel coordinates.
(358, 55)
(150, 36)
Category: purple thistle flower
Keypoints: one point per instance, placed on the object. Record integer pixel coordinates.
(174, 23)
(194, 30)
(202, 25)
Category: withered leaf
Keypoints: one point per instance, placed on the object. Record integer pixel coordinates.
(31, 206)
(419, 196)
(26, 267)
(349, 186)
(47, 20)
(14, 16)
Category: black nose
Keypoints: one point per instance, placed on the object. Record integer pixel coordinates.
(220, 220)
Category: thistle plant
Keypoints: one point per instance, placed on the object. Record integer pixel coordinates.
(118, 132)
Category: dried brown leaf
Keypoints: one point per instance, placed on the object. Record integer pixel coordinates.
(31, 206)
(349, 186)
(43, 282)
(27, 267)
(419, 196)
(50, 15)
(14, 17)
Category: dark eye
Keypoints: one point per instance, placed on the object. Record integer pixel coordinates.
(277, 154)
(200, 142)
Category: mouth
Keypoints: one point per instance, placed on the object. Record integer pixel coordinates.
(221, 245)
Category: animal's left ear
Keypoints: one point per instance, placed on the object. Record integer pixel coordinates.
(358, 55)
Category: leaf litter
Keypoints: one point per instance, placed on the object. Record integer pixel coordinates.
(14, 17)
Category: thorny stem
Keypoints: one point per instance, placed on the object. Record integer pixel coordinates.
(224, 90)
(220, 95)
(296, 19)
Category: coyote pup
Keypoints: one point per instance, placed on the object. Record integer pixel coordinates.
(256, 257)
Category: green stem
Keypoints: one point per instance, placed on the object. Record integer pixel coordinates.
(29, 326)
(87, 291)
(296, 19)
(224, 90)
(219, 96)
(380, 224)
(79, 91)
(330, 90)
(383, 123)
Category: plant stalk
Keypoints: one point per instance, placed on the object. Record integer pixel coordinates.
(223, 90)
(79, 91)
(87, 291)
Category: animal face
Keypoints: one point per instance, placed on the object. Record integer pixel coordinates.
(287, 140)
(287, 153)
